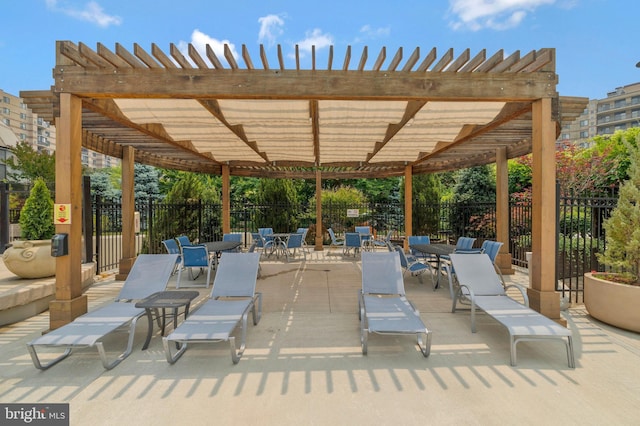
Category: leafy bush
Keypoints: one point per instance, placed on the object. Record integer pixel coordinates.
(36, 217)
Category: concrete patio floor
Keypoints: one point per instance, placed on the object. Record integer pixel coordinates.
(303, 365)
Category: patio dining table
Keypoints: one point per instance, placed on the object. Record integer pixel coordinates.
(215, 248)
(279, 242)
(438, 250)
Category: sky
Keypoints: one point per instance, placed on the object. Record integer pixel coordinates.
(597, 41)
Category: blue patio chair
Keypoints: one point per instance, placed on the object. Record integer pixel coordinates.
(335, 242)
(416, 268)
(233, 237)
(293, 243)
(364, 231)
(352, 241)
(419, 239)
(184, 240)
(259, 243)
(195, 257)
(267, 234)
(384, 242)
(304, 232)
(172, 248)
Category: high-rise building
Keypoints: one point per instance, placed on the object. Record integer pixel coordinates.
(620, 110)
(26, 126)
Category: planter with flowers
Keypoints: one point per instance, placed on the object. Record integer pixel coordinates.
(614, 297)
(31, 257)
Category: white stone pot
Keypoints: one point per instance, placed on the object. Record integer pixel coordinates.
(613, 303)
(30, 259)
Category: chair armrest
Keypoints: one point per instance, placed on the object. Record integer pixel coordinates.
(522, 291)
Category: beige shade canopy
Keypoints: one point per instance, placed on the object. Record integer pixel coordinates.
(360, 120)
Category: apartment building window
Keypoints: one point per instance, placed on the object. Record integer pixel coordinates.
(619, 127)
(23, 137)
(6, 121)
(6, 111)
(23, 126)
(584, 123)
(635, 100)
(584, 134)
(6, 99)
(23, 116)
(620, 116)
(635, 113)
(620, 103)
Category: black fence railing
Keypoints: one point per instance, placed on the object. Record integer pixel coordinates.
(580, 233)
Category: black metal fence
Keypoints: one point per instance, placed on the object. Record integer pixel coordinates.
(580, 234)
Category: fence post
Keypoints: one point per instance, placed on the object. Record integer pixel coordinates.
(150, 237)
(98, 203)
(4, 216)
(87, 219)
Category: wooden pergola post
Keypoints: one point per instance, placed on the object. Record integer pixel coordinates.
(503, 260)
(128, 211)
(69, 301)
(542, 295)
(408, 205)
(319, 239)
(226, 200)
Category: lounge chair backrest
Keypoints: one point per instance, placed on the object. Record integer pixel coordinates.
(382, 273)
(491, 248)
(183, 240)
(236, 275)
(232, 237)
(171, 246)
(149, 274)
(476, 270)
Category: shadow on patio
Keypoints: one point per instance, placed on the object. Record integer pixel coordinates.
(303, 365)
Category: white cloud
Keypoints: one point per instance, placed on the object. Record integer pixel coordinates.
(494, 14)
(92, 12)
(270, 29)
(315, 38)
(370, 32)
(199, 40)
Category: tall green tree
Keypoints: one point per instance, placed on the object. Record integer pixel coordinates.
(475, 184)
(426, 190)
(623, 226)
(279, 201)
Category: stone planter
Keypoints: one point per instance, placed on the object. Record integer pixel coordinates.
(612, 303)
(30, 259)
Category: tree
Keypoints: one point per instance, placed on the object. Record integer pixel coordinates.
(475, 184)
(28, 164)
(279, 205)
(146, 182)
(36, 217)
(426, 190)
(623, 226)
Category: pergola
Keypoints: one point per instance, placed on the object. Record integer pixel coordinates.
(366, 119)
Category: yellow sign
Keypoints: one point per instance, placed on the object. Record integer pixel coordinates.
(62, 214)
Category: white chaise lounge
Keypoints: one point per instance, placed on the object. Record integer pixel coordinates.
(150, 273)
(232, 297)
(480, 285)
(383, 306)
